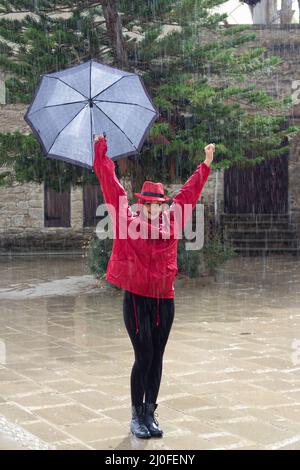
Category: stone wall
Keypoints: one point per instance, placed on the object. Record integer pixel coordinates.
(12, 118)
(21, 207)
(22, 221)
(76, 208)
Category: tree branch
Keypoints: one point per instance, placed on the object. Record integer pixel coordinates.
(62, 9)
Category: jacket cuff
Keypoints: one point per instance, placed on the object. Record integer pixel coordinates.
(206, 166)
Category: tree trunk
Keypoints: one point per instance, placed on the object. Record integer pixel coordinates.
(114, 30)
(286, 12)
(271, 12)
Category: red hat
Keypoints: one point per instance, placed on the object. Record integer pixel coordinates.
(152, 192)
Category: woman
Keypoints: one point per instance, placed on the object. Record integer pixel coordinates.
(144, 264)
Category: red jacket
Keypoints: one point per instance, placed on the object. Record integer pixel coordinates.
(143, 266)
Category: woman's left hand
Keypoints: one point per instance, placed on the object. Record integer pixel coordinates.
(99, 137)
(209, 153)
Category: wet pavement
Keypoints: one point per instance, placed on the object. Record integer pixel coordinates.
(231, 376)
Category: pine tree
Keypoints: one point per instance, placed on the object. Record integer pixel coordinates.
(196, 75)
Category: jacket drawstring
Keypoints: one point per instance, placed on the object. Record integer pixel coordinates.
(135, 315)
(157, 313)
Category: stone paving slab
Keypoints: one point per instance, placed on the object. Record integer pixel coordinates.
(231, 377)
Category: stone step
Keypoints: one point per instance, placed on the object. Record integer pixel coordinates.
(277, 243)
(261, 234)
(266, 251)
(258, 225)
(45, 253)
(226, 217)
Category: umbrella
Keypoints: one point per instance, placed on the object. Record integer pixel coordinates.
(71, 106)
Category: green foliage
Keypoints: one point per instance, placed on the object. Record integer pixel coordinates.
(97, 253)
(188, 261)
(216, 253)
(30, 165)
(195, 263)
(137, 10)
(51, 45)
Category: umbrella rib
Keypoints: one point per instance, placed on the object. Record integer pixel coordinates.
(90, 81)
(112, 84)
(92, 135)
(57, 78)
(91, 116)
(64, 128)
(54, 105)
(117, 127)
(123, 102)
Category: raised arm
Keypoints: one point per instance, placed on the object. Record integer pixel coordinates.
(104, 168)
(189, 193)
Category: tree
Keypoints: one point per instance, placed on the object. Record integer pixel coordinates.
(195, 74)
(114, 29)
(41, 43)
(286, 12)
(109, 9)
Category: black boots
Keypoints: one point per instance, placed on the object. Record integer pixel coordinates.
(137, 425)
(143, 423)
(150, 420)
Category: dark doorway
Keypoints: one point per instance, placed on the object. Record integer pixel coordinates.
(92, 197)
(262, 189)
(57, 207)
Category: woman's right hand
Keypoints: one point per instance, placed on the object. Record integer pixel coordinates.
(98, 137)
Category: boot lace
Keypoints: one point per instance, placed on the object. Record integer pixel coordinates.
(155, 416)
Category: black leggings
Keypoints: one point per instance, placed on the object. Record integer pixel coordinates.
(148, 322)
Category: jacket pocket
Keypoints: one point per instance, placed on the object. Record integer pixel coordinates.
(121, 268)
